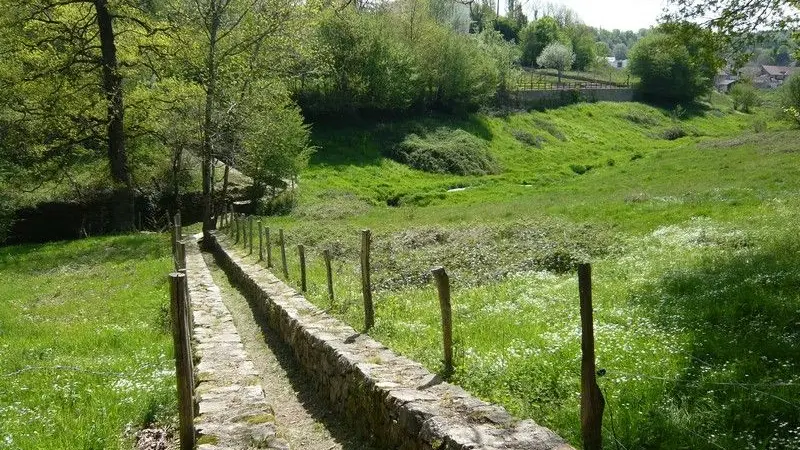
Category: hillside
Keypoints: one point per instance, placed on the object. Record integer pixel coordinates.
(693, 241)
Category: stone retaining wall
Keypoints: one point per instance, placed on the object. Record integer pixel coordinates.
(395, 401)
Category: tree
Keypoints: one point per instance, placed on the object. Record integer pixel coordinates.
(744, 96)
(582, 41)
(736, 17)
(535, 37)
(790, 98)
(602, 49)
(228, 46)
(58, 49)
(676, 64)
(556, 56)
(620, 52)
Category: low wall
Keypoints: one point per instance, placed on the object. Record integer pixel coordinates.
(562, 97)
(392, 400)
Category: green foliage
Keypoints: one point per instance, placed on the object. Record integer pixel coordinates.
(602, 49)
(620, 52)
(744, 96)
(504, 54)
(275, 141)
(379, 62)
(676, 64)
(445, 150)
(583, 46)
(790, 98)
(535, 37)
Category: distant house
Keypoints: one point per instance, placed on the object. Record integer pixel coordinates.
(774, 76)
(724, 81)
(617, 63)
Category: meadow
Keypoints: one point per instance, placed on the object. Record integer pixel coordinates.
(85, 344)
(689, 219)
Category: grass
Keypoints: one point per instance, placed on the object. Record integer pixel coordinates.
(85, 347)
(693, 242)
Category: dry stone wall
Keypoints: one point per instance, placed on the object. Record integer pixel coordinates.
(392, 400)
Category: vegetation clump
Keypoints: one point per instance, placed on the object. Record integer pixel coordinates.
(446, 150)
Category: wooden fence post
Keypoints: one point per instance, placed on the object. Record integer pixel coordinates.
(172, 235)
(269, 249)
(238, 224)
(283, 254)
(243, 220)
(180, 256)
(366, 286)
(592, 401)
(250, 231)
(183, 361)
(443, 288)
(301, 253)
(260, 241)
(326, 254)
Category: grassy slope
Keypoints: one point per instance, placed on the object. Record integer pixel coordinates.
(696, 320)
(84, 342)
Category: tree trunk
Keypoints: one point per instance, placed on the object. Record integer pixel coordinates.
(123, 198)
(208, 124)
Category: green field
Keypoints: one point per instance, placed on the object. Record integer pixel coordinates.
(694, 244)
(85, 347)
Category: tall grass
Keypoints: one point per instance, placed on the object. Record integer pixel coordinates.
(85, 349)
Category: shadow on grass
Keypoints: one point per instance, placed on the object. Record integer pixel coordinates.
(741, 314)
(365, 143)
(84, 252)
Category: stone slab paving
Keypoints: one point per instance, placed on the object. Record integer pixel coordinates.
(390, 398)
(233, 412)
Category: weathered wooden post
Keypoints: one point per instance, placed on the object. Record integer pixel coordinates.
(243, 220)
(301, 253)
(172, 235)
(260, 241)
(592, 401)
(238, 225)
(283, 254)
(180, 256)
(183, 361)
(250, 235)
(269, 249)
(443, 288)
(326, 254)
(366, 286)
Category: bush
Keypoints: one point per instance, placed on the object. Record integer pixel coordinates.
(446, 151)
(790, 98)
(528, 138)
(673, 133)
(675, 64)
(744, 97)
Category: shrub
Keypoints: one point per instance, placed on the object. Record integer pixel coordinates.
(790, 98)
(744, 97)
(673, 133)
(528, 138)
(446, 151)
(676, 63)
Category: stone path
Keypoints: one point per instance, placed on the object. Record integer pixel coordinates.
(233, 411)
(301, 416)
